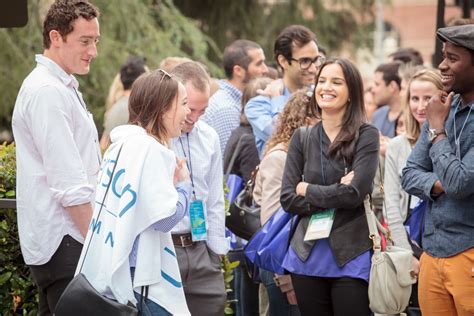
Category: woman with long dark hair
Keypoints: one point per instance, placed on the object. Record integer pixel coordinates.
(327, 175)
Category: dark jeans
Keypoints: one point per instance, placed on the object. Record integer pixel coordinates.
(331, 296)
(53, 276)
(147, 307)
(277, 301)
(245, 291)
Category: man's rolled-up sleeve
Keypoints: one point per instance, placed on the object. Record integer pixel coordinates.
(417, 176)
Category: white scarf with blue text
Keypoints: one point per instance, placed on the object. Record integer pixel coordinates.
(141, 193)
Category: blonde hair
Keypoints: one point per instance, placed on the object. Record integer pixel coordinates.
(296, 113)
(115, 92)
(169, 63)
(412, 127)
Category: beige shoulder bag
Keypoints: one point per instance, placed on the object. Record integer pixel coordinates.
(391, 272)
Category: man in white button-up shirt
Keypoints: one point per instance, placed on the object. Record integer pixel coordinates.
(199, 238)
(57, 150)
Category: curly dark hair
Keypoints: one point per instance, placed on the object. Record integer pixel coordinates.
(297, 113)
(62, 14)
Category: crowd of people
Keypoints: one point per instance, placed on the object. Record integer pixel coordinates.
(141, 214)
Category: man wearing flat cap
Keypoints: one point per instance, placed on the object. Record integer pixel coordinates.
(440, 170)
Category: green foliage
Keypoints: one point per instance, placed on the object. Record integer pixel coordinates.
(7, 171)
(228, 270)
(154, 29)
(342, 26)
(18, 294)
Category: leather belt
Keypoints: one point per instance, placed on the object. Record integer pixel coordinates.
(182, 240)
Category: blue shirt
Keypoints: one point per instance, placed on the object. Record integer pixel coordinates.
(223, 112)
(383, 124)
(322, 263)
(449, 221)
(261, 112)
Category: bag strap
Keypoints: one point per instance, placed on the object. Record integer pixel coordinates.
(234, 156)
(409, 210)
(375, 227)
(101, 205)
(304, 136)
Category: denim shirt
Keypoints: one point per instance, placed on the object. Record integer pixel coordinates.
(261, 112)
(449, 222)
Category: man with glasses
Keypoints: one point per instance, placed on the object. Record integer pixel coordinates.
(296, 52)
(58, 154)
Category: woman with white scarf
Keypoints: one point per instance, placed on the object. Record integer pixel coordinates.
(128, 249)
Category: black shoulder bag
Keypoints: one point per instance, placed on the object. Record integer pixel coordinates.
(244, 218)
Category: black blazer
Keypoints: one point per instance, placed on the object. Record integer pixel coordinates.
(349, 236)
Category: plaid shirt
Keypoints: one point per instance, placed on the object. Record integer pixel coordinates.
(223, 112)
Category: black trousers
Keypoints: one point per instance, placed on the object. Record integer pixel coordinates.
(331, 296)
(53, 276)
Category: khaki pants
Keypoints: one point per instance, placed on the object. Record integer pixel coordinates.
(446, 285)
(203, 281)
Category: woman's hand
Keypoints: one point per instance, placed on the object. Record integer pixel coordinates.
(347, 179)
(291, 297)
(383, 144)
(301, 188)
(416, 266)
(181, 173)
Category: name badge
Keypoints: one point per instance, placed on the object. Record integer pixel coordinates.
(198, 220)
(320, 225)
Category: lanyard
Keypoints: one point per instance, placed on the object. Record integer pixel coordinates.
(323, 171)
(188, 161)
(457, 139)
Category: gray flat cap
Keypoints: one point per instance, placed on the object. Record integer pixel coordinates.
(462, 35)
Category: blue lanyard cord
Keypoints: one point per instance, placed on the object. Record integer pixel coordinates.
(323, 171)
(188, 161)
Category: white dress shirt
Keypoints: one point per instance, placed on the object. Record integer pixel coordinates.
(58, 159)
(205, 164)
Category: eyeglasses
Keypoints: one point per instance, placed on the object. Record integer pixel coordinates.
(306, 62)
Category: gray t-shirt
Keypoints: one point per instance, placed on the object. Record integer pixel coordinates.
(117, 115)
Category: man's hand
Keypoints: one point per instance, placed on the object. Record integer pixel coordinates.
(437, 109)
(81, 216)
(437, 188)
(273, 89)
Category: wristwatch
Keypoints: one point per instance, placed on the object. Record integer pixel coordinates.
(434, 132)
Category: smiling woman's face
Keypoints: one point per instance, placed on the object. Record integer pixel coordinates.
(332, 92)
(174, 119)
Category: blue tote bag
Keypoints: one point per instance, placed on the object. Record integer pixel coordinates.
(268, 247)
(235, 184)
(414, 223)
